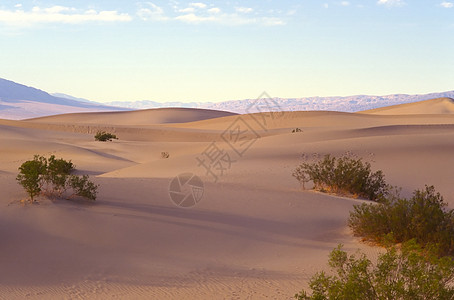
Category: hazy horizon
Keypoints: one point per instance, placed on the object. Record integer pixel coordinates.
(210, 51)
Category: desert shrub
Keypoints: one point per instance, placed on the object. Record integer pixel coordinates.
(83, 187)
(165, 154)
(300, 174)
(411, 273)
(344, 175)
(104, 136)
(424, 217)
(57, 172)
(296, 130)
(30, 176)
(52, 177)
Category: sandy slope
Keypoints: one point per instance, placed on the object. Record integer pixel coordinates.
(138, 117)
(254, 235)
(434, 106)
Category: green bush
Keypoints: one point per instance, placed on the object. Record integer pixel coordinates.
(344, 175)
(103, 136)
(424, 217)
(411, 274)
(52, 177)
(83, 187)
(57, 172)
(31, 174)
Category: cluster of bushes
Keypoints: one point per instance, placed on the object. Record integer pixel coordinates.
(424, 266)
(165, 154)
(411, 273)
(344, 175)
(52, 177)
(104, 136)
(424, 217)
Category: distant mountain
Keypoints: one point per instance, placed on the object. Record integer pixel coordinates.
(66, 96)
(18, 101)
(345, 104)
(145, 104)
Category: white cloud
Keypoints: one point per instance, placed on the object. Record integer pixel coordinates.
(192, 18)
(18, 5)
(325, 5)
(446, 4)
(58, 14)
(230, 19)
(187, 10)
(391, 3)
(55, 9)
(244, 10)
(345, 3)
(199, 13)
(198, 5)
(271, 21)
(214, 10)
(152, 12)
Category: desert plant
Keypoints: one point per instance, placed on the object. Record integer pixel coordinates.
(104, 136)
(344, 175)
(52, 177)
(411, 273)
(31, 174)
(57, 172)
(296, 130)
(300, 174)
(165, 154)
(83, 187)
(424, 217)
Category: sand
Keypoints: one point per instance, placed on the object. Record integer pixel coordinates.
(254, 235)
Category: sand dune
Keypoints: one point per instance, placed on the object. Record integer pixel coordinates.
(138, 117)
(254, 235)
(434, 106)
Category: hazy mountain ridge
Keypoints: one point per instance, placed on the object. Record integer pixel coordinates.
(18, 101)
(66, 96)
(345, 104)
(12, 92)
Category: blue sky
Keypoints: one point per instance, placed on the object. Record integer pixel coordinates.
(224, 50)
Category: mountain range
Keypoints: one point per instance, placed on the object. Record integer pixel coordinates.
(344, 104)
(18, 101)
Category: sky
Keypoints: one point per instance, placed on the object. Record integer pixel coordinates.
(212, 51)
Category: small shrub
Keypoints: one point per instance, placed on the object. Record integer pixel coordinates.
(296, 130)
(83, 187)
(30, 176)
(344, 175)
(103, 136)
(165, 155)
(411, 274)
(52, 177)
(57, 173)
(424, 217)
(300, 174)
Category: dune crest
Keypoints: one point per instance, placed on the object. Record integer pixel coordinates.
(137, 117)
(434, 106)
